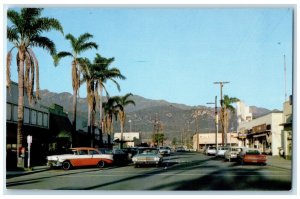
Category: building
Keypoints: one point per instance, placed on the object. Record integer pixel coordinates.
(36, 124)
(264, 133)
(131, 139)
(287, 132)
(202, 140)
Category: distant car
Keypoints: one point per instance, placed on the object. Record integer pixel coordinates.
(249, 155)
(232, 153)
(221, 151)
(164, 150)
(120, 157)
(211, 150)
(80, 156)
(180, 149)
(147, 156)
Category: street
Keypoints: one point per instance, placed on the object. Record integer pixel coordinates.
(186, 171)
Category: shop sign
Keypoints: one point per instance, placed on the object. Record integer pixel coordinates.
(259, 129)
(242, 135)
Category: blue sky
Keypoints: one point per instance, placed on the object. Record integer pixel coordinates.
(177, 53)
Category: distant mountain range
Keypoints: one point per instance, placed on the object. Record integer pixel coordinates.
(174, 119)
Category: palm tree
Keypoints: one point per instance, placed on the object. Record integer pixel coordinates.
(111, 108)
(78, 46)
(89, 74)
(105, 73)
(227, 109)
(25, 33)
(123, 101)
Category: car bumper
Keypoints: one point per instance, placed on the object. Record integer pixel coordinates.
(52, 163)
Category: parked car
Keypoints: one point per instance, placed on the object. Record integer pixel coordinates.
(221, 151)
(232, 153)
(164, 150)
(211, 150)
(147, 156)
(249, 155)
(80, 156)
(120, 157)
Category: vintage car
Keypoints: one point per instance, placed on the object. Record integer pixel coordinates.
(81, 156)
(249, 155)
(147, 156)
(164, 150)
(232, 153)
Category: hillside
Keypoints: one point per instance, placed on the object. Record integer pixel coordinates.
(175, 118)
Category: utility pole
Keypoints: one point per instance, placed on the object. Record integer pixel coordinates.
(216, 120)
(222, 111)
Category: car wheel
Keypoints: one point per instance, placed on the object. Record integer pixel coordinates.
(101, 164)
(66, 165)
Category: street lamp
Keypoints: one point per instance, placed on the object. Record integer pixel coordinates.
(129, 125)
(216, 120)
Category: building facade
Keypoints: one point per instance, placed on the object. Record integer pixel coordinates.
(36, 124)
(131, 139)
(203, 140)
(264, 133)
(287, 131)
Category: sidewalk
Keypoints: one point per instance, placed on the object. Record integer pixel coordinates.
(35, 169)
(279, 162)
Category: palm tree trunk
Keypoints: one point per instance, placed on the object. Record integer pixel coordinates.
(20, 161)
(89, 125)
(74, 117)
(100, 114)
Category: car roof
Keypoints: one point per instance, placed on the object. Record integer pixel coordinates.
(83, 148)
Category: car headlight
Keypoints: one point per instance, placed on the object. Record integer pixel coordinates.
(156, 159)
(134, 159)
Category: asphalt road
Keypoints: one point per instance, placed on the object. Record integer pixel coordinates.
(185, 171)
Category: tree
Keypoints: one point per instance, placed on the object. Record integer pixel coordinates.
(25, 34)
(105, 73)
(89, 73)
(227, 109)
(78, 45)
(111, 108)
(123, 101)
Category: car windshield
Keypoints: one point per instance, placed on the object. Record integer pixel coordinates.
(252, 152)
(147, 151)
(212, 148)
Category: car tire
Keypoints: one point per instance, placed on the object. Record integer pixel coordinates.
(101, 164)
(66, 165)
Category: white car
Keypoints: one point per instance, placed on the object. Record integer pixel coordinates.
(211, 150)
(221, 151)
(232, 153)
(164, 150)
(80, 156)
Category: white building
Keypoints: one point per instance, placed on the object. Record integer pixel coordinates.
(243, 112)
(264, 133)
(202, 140)
(132, 139)
(287, 132)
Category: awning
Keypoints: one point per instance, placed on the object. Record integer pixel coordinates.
(260, 135)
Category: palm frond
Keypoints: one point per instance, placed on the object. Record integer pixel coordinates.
(37, 73)
(44, 43)
(47, 24)
(72, 39)
(86, 46)
(12, 34)
(57, 57)
(84, 37)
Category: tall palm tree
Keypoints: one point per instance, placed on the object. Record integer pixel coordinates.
(123, 101)
(25, 33)
(227, 109)
(89, 77)
(105, 73)
(78, 45)
(111, 108)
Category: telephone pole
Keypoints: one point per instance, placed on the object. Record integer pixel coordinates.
(222, 111)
